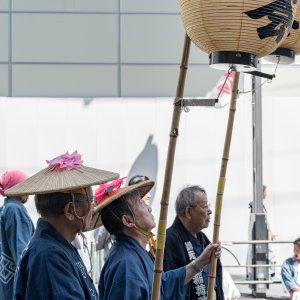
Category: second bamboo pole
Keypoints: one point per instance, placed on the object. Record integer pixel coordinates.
(221, 184)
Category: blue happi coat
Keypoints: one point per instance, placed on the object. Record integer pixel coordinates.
(51, 268)
(16, 229)
(128, 274)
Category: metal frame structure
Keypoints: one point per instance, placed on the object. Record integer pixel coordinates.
(254, 281)
(259, 251)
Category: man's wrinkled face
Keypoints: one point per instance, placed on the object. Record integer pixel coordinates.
(200, 212)
(147, 198)
(143, 214)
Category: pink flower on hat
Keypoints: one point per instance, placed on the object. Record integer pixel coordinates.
(11, 178)
(105, 189)
(66, 161)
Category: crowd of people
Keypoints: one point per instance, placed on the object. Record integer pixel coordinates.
(44, 263)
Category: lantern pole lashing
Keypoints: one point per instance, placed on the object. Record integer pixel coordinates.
(162, 225)
(221, 183)
(183, 102)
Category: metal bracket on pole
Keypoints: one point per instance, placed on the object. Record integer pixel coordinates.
(261, 74)
(194, 102)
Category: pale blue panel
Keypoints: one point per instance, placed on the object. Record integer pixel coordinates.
(66, 5)
(4, 80)
(4, 37)
(4, 4)
(64, 81)
(161, 81)
(149, 81)
(197, 56)
(64, 38)
(151, 38)
(165, 6)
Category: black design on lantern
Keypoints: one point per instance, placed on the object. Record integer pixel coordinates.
(280, 13)
(295, 24)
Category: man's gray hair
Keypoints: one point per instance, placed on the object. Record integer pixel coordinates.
(186, 197)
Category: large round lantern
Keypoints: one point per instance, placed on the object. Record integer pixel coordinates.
(290, 47)
(236, 33)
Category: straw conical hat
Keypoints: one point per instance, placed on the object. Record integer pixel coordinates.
(143, 187)
(54, 179)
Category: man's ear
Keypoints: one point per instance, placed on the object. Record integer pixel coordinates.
(127, 221)
(187, 212)
(68, 211)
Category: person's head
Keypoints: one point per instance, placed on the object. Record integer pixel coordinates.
(264, 190)
(193, 208)
(9, 179)
(73, 206)
(297, 249)
(137, 179)
(121, 209)
(63, 192)
(126, 212)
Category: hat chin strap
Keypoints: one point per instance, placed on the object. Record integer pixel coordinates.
(150, 236)
(75, 212)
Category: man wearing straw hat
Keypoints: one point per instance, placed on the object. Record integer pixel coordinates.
(128, 270)
(50, 267)
(185, 240)
(104, 239)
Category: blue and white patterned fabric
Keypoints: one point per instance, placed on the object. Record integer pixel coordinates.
(16, 229)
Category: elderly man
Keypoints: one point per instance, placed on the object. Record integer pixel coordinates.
(185, 240)
(104, 239)
(50, 267)
(290, 273)
(128, 270)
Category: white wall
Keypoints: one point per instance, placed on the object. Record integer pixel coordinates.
(111, 133)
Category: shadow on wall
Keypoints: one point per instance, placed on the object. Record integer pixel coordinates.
(146, 163)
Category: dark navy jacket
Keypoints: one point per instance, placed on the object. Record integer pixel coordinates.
(176, 255)
(128, 274)
(16, 229)
(51, 268)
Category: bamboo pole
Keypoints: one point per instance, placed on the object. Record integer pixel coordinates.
(161, 231)
(221, 184)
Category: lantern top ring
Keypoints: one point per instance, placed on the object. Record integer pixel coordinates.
(282, 56)
(237, 61)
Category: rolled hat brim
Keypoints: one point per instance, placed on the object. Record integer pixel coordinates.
(143, 187)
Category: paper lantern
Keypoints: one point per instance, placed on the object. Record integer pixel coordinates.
(290, 47)
(237, 32)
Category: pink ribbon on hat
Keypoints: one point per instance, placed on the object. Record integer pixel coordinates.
(11, 178)
(105, 189)
(66, 161)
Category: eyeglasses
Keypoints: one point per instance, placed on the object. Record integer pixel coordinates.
(206, 206)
